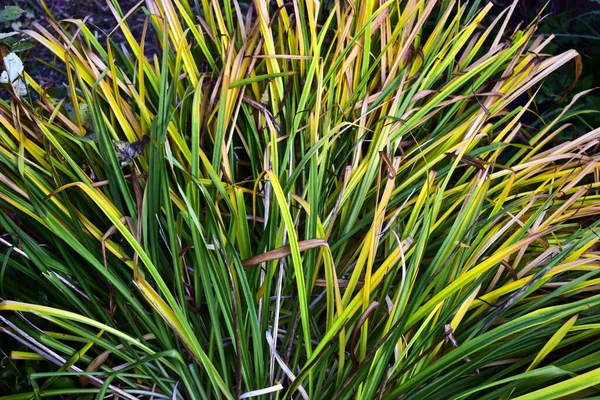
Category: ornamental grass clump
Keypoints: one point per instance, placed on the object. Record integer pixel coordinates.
(308, 200)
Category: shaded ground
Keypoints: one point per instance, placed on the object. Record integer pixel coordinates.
(100, 20)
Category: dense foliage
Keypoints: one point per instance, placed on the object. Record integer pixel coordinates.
(309, 200)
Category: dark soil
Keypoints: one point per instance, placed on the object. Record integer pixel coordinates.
(100, 20)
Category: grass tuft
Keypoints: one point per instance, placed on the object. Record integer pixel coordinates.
(314, 200)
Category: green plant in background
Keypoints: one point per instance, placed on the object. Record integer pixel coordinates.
(319, 200)
(572, 23)
(10, 37)
(578, 30)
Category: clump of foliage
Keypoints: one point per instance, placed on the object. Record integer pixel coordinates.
(315, 200)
